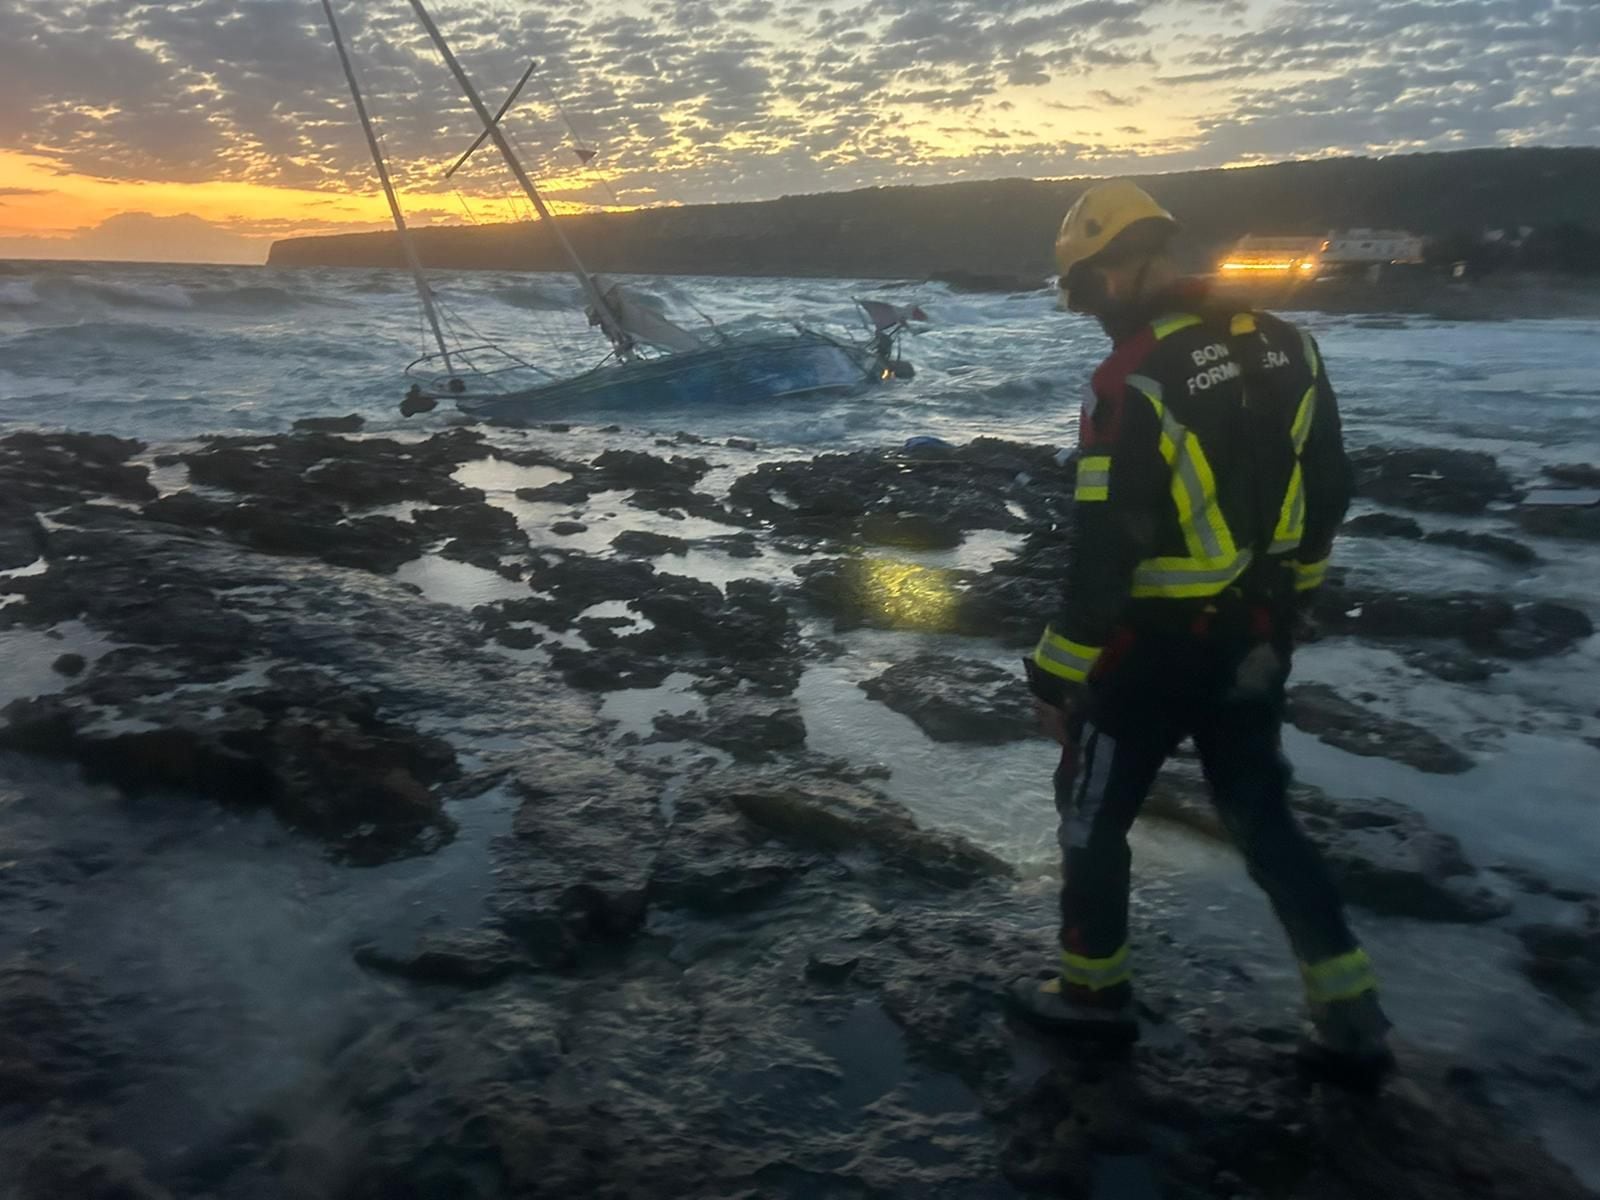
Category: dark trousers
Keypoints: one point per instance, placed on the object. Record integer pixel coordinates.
(1227, 693)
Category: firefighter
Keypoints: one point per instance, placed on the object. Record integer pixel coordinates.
(1211, 477)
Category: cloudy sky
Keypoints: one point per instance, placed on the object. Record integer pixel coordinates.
(201, 129)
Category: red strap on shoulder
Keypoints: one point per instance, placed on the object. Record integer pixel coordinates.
(1102, 416)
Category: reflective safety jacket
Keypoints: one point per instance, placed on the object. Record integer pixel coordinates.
(1210, 458)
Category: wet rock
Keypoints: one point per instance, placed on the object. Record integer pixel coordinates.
(739, 443)
(311, 530)
(832, 964)
(895, 500)
(568, 528)
(913, 531)
(479, 532)
(635, 469)
(1318, 709)
(751, 728)
(643, 543)
(714, 861)
(352, 423)
(1382, 524)
(1452, 666)
(69, 665)
(576, 869)
(42, 471)
(957, 700)
(734, 545)
(1386, 858)
(1582, 524)
(609, 670)
(1576, 474)
(22, 538)
(1508, 549)
(1430, 479)
(311, 468)
(516, 637)
(580, 581)
(832, 816)
(1485, 623)
(1565, 958)
(305, 746)
(1536, 630)
(475, 959)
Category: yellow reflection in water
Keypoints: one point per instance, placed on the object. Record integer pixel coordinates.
(906, 595)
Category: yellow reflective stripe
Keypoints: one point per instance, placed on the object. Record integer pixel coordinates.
(1340, 978)
(1310, 347)
(1309, 575)
(1096, 974)
(1301, 429)
(1063, 657)
(1094, 478)
(1292, 515)
(1171, 323)
(1177, 578)
(1242, 323)
(1194, 486)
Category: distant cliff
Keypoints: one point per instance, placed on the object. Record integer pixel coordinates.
(1006, 226)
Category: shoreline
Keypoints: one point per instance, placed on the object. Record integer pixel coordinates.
(366, 729)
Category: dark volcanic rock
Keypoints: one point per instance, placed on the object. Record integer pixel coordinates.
(42, 471)
(1431, 480)
(900, 499)
(1565, 958)
(1509, 549)
(1580, 523)
(1390, 525)
(317, 754)
(957, 700)
(22, 538)
(288, 526)
(642, 543)
(914, 531)
(70, 665)
(1385, 856)
(352, 423)
(320, 468)
(634, 469)
(1318, 709)
(467, 960)
(1387, 859)
(608, 670)
(576, 869)
(1452, 666)
(1577, 474)
(1486, 623)
(748, 727)
(1382, 524)
(568, 528)
(828, 815)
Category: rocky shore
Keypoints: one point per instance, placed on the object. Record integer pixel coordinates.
(316, 885)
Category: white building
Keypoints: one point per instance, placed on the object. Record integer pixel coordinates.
(1370, 247)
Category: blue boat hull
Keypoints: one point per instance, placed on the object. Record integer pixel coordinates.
(757, 369)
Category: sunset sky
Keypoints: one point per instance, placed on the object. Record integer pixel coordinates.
(202, 129)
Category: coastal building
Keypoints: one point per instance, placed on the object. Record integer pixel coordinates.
(1371, 247)
(1339, 252)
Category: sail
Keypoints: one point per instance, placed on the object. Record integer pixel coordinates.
(644, 324)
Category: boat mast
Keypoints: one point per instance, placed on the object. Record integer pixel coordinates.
(406, 247)
(602, 310)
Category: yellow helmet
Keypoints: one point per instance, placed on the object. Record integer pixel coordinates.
(1100, 214)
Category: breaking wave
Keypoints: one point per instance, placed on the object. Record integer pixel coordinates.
(76, 296)
(539, 297)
